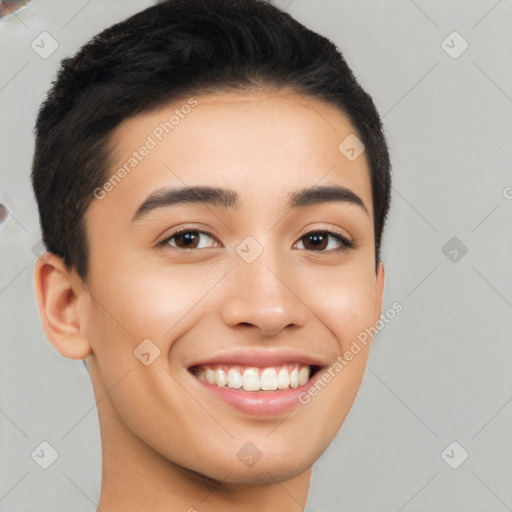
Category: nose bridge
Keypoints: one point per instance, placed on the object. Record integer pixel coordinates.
(262, 290)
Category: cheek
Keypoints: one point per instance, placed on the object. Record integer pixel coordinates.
(345, 305)
(344, 302)
(147, 304)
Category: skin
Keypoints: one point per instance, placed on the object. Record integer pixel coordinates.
(166, 444)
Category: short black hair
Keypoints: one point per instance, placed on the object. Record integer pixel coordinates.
(173, 49)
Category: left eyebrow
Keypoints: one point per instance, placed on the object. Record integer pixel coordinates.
(230, 199)
(325, 194)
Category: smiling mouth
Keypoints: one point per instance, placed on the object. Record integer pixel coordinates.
(255, 379)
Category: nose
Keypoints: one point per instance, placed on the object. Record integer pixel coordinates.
(264, 295)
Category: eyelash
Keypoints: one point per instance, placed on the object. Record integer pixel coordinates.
(345, 242)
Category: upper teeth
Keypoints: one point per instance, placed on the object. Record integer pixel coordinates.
(255, 379)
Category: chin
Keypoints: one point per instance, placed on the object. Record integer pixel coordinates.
(260, 474)
(269, 467)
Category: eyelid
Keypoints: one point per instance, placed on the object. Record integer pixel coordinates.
(165, 241)
(332, 229)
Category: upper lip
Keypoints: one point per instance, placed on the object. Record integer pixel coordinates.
(260, 358)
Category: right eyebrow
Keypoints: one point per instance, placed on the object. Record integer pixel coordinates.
(215, 196)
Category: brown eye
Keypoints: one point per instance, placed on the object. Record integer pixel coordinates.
(319, 241)
(188, 239)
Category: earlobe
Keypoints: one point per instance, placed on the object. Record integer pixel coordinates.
(379, 289)
(57, 292)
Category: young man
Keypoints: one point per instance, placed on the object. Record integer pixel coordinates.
(213, 185)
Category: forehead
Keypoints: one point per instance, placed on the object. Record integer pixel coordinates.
(263, 145)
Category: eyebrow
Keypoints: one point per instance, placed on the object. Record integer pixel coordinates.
(229, 199)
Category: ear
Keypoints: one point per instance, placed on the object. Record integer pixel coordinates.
(379, 289)
(58, 291)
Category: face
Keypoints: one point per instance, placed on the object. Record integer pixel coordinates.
(232, 266)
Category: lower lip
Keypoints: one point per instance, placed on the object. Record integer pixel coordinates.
(259, 403)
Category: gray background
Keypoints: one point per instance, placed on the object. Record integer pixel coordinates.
(439, 372)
